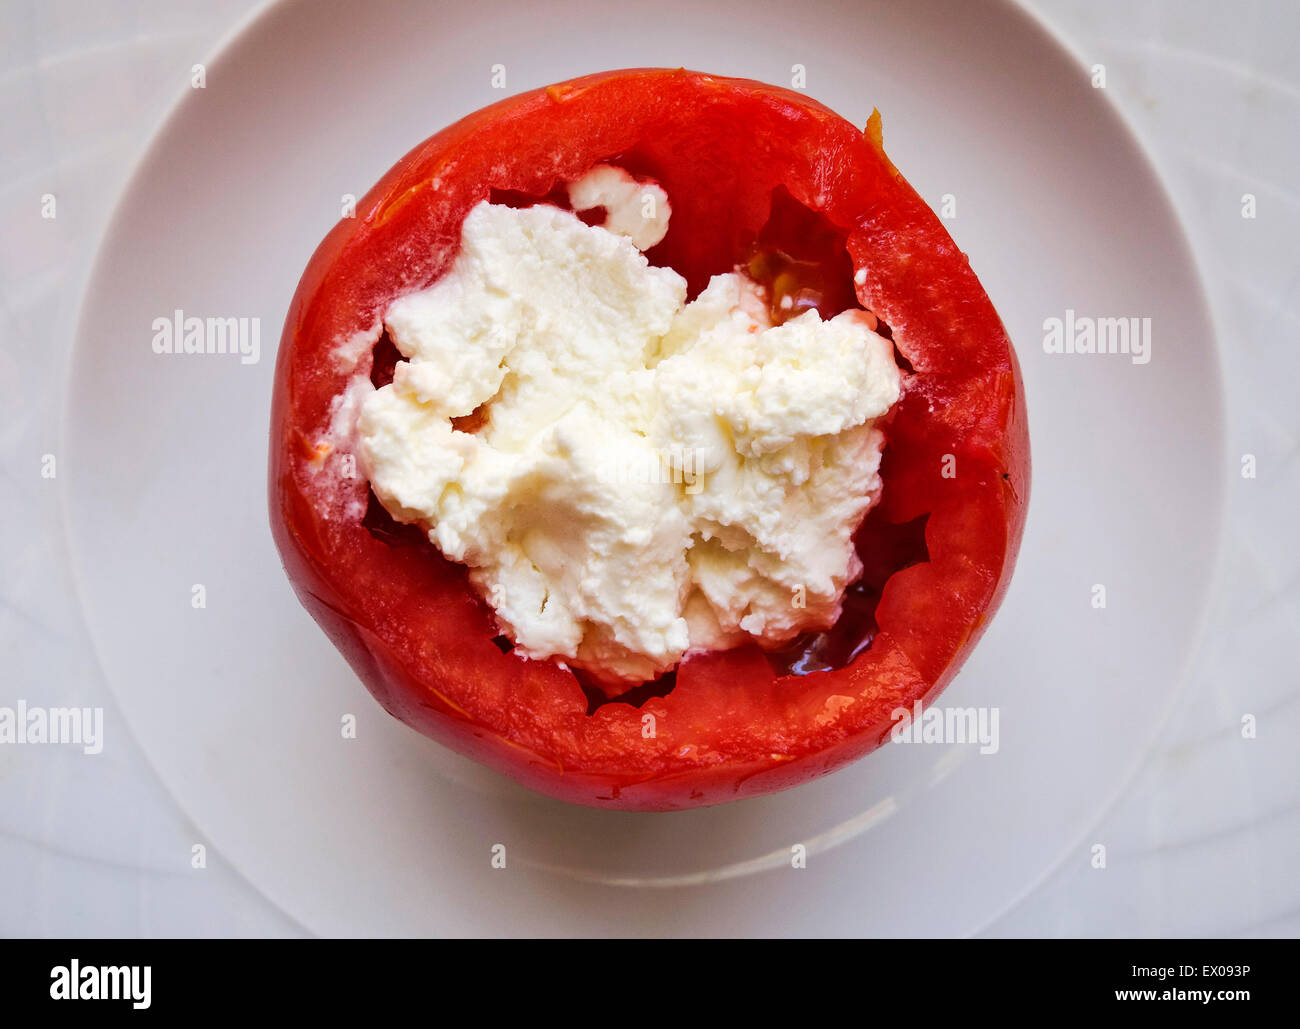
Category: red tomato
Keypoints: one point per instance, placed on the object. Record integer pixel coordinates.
(738, 159)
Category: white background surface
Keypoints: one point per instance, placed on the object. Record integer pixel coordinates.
(1207, 836)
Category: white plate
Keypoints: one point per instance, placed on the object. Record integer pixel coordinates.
(238, 704)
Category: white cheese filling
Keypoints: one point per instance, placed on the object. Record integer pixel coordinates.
(649, 477)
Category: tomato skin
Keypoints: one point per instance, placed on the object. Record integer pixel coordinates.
(407, 620)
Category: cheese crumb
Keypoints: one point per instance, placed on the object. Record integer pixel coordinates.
(638, 210)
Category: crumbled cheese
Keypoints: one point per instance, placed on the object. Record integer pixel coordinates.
(651, 477)
(638, 210)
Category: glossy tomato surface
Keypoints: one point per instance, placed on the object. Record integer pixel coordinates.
(735, 157)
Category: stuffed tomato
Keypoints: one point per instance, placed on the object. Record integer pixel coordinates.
(647, 438)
